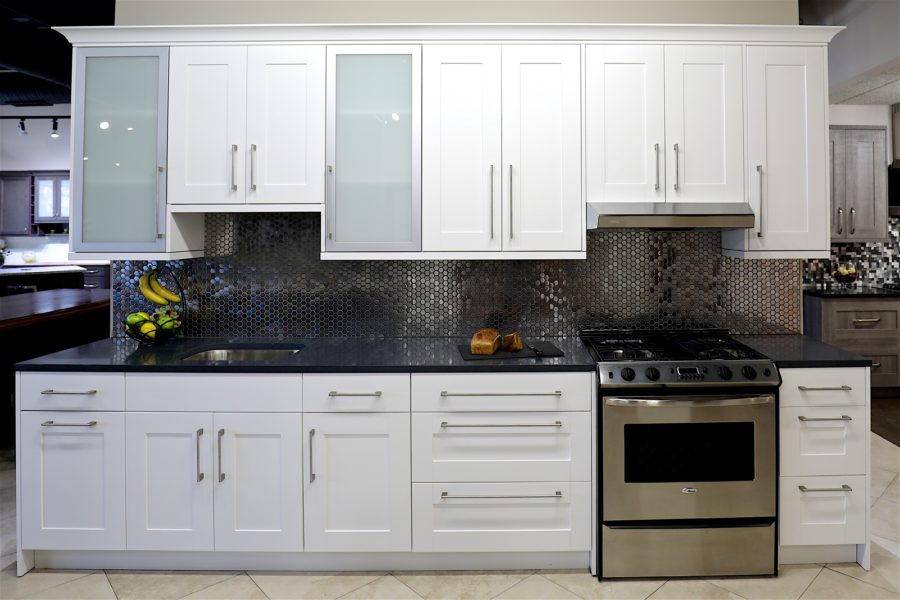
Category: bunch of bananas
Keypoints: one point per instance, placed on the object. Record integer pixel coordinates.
(156, 292)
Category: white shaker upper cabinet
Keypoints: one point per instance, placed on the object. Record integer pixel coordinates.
(286, 124)
(704, 124)
(207, 116)
(543, 207)
(461, 148)
(624, 123)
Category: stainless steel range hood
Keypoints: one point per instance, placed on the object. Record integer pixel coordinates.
(670, 215)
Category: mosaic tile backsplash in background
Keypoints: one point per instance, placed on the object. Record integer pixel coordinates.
(879, 262)
(262, 277)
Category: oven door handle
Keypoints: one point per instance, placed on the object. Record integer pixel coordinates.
(670, 401)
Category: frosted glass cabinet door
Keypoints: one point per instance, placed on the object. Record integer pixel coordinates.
(118, 171)
(373, 149)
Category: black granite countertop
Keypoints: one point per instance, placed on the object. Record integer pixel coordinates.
(800, 351)
(323, 355)
(854, 292)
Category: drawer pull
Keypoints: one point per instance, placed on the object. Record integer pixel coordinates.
(843, 488)
(447, 496)
(872, 320)
(840, 418)
(843, 388)
(55, 424)
(376, 394)
(62, 393)
(556, 393)
(553, 424)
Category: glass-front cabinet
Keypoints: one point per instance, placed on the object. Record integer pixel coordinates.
(118, 172)
(373, 149)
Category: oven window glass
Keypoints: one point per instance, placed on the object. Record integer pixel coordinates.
(672, 452)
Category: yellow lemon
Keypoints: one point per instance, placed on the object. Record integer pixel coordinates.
(148, 329)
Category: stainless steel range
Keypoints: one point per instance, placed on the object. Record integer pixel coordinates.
(688, 467)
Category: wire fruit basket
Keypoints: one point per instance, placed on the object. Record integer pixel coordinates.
(159, 328)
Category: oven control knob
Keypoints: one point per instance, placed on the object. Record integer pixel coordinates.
(652, 373)
(628, 374)
(725, 373)
(749, 372)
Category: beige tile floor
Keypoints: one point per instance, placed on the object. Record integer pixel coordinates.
(845, 581)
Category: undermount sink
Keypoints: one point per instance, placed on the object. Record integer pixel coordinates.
(244, 353)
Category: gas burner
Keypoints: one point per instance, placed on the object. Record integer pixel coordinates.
(627, 354)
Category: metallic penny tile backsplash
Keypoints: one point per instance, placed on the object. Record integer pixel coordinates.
(878, 262)
(262, 277)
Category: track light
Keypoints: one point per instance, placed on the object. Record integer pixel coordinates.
(22, 130)
(54, 133)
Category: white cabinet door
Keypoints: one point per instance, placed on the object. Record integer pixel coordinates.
(787, 153)
(73, 480)
(624, 123)
(207, 124)
(543, 208)
(286, 124)
(823, 511)
(169, 482)
(258, 498)
(704, 124)
(461, 148)
(823, 440)
(357, 482)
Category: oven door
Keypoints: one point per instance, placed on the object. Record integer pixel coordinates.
(688, 457)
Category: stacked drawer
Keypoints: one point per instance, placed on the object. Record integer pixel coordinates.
(501, 462)
(824, 435)
(96, 276)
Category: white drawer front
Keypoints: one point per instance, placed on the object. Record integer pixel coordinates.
(815, 517)
(514, 517)
(73, 391)
(534, 446)
(817, 440)
(823, 387)
(213, 392)
(356, 393)
(440, 392)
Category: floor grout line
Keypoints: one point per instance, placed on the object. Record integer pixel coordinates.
(806, 589)
(261, 591)
(106, 575)
(858, 579)
(53, 587)
(527, 575)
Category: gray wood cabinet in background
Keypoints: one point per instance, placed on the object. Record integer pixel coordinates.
(858, 184)
(15, 204)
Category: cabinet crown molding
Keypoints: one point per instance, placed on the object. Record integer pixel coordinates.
(319, 33)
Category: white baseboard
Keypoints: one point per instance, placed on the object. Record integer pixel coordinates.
(799, 555)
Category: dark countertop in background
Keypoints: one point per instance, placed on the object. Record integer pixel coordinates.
(23, 309)
(800, 351)
(323, 355)
(855, 292)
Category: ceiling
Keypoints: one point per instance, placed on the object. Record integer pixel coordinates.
(35, 61)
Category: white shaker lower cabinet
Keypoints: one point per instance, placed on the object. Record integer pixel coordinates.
(73, 480)
(823, 511)
(169, 481)
(357, 482)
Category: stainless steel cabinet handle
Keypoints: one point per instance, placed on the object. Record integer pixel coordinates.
(92, 272)
(759, 231)
(676, 167)
(840, 418)
(200, 474)
(55, 424)
(656, 160)
(62, 393)
(872, 320)
(160, 226)
(556, 393)
(875, 365)
(445, 424)
(253, 167)
(219, 442)
(329, 169)
(90, 286)
(511, 226)
(843, 388)
(234, 149)
(492, 201)
(843, 488)
(376, 394)
(448, 496)
(840, 221)
(312, 474)
(852, 221)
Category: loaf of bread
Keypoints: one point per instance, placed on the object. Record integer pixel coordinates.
(485, 341)
(512, 342)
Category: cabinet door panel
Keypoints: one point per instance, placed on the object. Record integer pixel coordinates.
(286, 124)
(787, 154)
(866, 181)
(169, 459)
(624, 124)
(357, 482)
(461, 148)
(542, 148)
(838, 184)
(73, 480)
(258, 498)
(823, 440)
(15, 205)
(826, 513)
(207, 124)
(705, 118)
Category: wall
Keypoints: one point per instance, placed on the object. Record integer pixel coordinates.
(36, 151)
(171, 12)
(869, 115)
